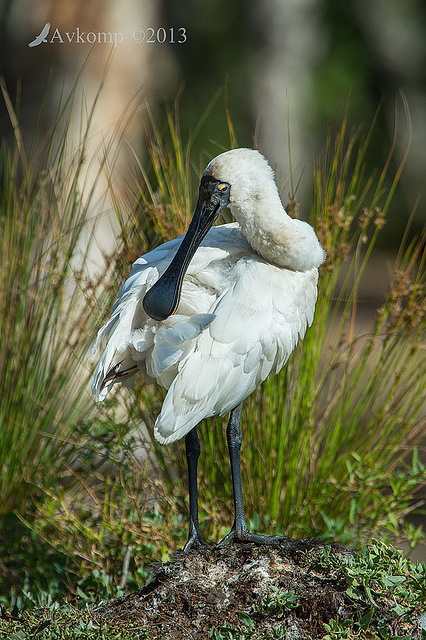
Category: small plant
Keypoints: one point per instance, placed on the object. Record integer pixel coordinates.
(336, 630)
(225, 632)
(390, 587)
(277, 601)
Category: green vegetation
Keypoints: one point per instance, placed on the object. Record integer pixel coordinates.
(382, 596)
(389, 589)
(61, 623)
(41, 220)
(381, 577)
(329, 444)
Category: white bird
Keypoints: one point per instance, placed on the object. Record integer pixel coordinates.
(211, 313)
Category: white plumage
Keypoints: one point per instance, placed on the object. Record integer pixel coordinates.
(241, 311)
(210, 314)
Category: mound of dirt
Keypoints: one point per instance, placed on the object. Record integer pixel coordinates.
(243, 591)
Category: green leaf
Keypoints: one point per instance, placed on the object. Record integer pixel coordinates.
(392, 581)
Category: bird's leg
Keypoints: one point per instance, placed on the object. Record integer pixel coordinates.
(192, 446)
(240, 531)
(235, 438)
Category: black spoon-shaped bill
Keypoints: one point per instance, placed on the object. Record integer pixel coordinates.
(162, 300)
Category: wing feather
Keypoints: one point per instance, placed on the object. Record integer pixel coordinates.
(130, 333)
(249, 336)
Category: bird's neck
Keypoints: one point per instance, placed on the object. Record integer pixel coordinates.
(278, 238)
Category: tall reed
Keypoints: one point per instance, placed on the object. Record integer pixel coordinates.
(45, 318)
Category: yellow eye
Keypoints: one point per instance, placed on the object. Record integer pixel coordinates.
(223, 187)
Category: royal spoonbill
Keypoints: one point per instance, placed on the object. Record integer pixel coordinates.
(211, 313)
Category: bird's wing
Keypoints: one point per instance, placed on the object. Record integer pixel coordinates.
(135, 341)
(117, 362)
(257, 323)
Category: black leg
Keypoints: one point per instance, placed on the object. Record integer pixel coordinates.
(240, 531)
(235, 439)
(192, 445)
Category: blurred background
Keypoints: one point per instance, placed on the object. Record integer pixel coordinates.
(287, 71)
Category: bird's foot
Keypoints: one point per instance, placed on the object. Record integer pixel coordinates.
(244, 535)
(194, 542)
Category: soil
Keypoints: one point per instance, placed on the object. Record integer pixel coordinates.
(231, 592)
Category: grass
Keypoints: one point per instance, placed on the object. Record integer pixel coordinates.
(43, 214)
(333, 437)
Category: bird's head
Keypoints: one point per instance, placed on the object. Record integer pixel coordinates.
(246, 171)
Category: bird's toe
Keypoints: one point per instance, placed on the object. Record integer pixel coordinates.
(194, 542)
(255, 538)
